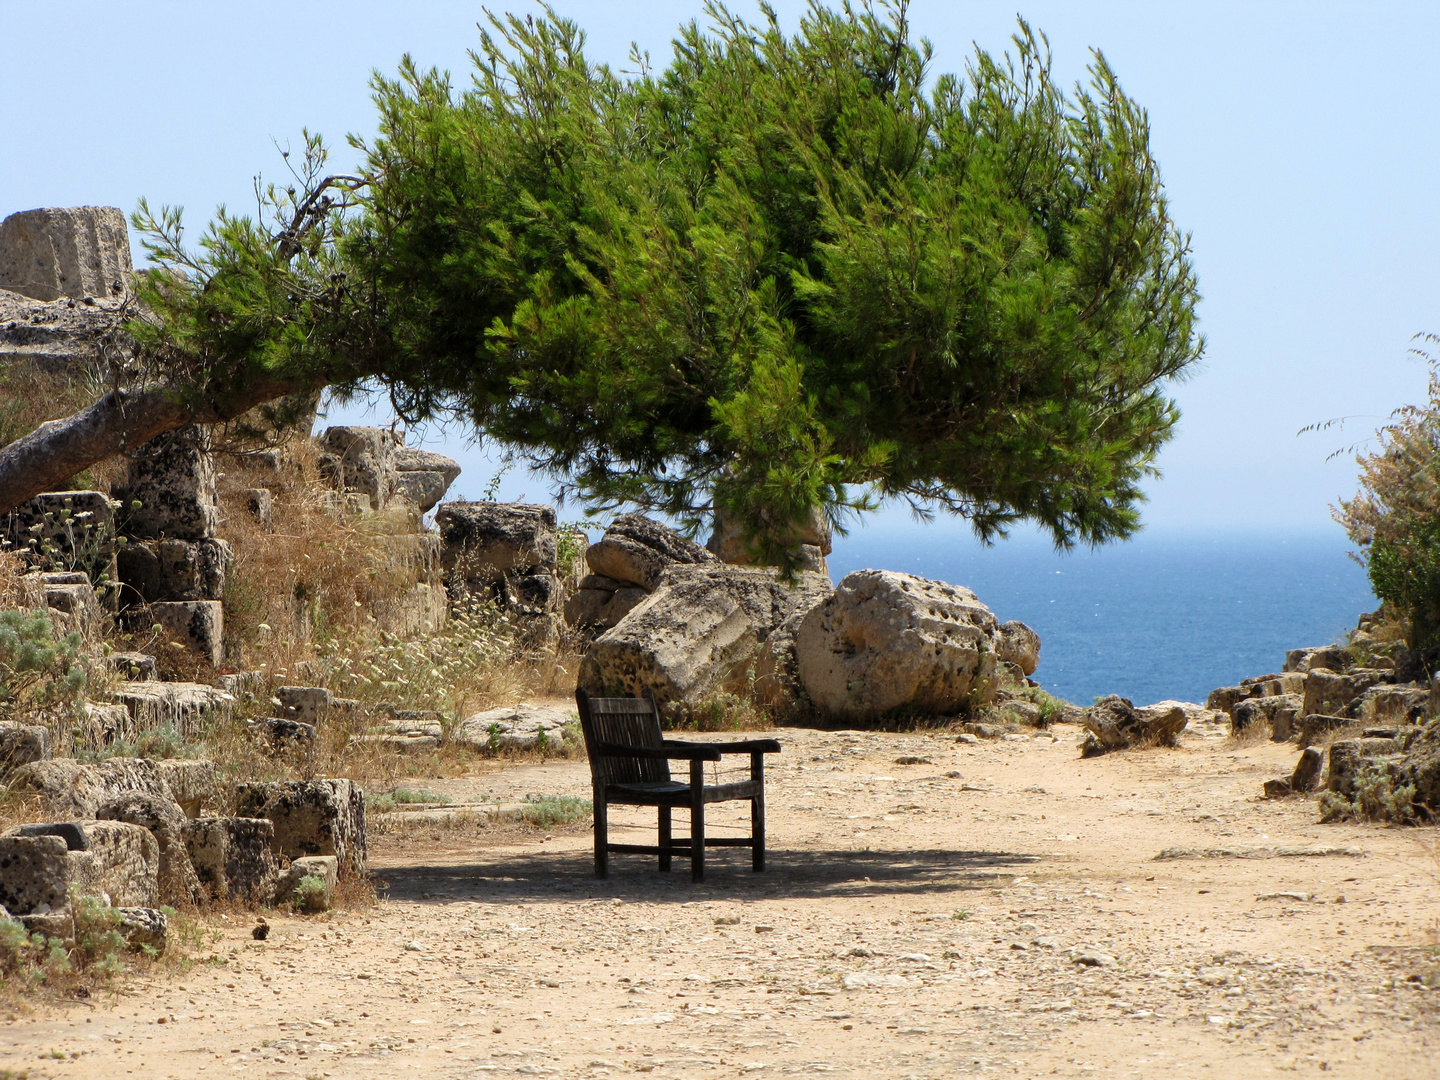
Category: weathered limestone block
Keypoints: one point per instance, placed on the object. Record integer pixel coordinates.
(1330, 657)
(887, 640)
(812, 539)
(1274, 685)
(75, 251)
(1225, 698)
(20, 744)
(67, 789)
(126, 857)
(1349, 757)
(134, 666)
(1016, 643)
(311, 817)
(422, 609)
(515, 727)
(423, 477)
(1397, 704)
(36, 873)
(1306, 776)
(249, 687)
(1114, 723)
(187, 707)
(486, 542)
(172, 478)
(152, 570)
(233, 857)
(281, 732)
(198, 625)
(100, 725)
(699, 632)
(308, 704)
(638, 550)
(400, 743)
(322, 868)
(75, 529)
(260, 504)
(69, 598)
(1421, 765)
(1277, 713)
(1313, 726)
(361, 459)
(601, 603)
(144, 928)
(176, 882)
(1330, 692)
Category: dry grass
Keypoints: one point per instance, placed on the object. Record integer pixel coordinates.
(31, 395)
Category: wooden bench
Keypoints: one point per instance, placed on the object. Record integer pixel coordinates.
(630, 766)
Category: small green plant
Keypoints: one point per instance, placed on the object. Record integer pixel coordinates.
(1376, 798)
(552, 811)
(41, 676)
(405, 795)
(960, 915)
(309, 894)
(568, 539)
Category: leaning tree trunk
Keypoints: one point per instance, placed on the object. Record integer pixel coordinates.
(121, 421)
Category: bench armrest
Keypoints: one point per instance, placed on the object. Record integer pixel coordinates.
(749, 746)
(666, 751)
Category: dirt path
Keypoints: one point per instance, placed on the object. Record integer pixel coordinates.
(995, 910)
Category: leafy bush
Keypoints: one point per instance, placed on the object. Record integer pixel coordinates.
(550, 811)
(41, 677)
(1395, 517)
(1376, 798)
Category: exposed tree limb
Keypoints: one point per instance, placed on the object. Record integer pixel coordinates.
(121, 421)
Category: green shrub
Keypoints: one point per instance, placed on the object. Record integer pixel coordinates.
(552, 811)
(1376, 798)
(42, 678)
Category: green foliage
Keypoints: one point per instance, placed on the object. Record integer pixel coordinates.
(309, 894)
(41, 677)
(552, 811)
(780, 273)
(1395, 517)
(1376, 797)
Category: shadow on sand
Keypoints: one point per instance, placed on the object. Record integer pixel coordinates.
(562, 875)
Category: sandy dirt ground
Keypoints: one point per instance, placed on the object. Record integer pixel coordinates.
(979, 910)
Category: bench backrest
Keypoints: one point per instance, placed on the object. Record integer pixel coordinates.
(627, 722)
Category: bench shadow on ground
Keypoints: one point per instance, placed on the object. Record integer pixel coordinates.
(569, 875)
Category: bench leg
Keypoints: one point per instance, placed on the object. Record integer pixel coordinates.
(757, 815)
(664, 839)
(602, 834)
(697, 821)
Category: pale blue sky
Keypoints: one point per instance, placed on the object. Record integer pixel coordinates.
(1298, 141)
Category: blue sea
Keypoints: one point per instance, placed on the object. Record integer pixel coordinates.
(1168, 615)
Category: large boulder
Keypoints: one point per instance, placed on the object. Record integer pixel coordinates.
(170, 489)
(601, 602)
(1421, 767)
(637, 550)
(699, 632)
(1330, 657)
(887, 641)
(36, 873)
(234, 857)
(125, 859)
(198, 626)
(311, 817)
(1278, 714)
(1114, 723)
(1017, 644)
(76, 251)
(1329, 691)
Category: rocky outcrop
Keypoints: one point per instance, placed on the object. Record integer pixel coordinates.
(505, 552)
(886, 641)
(77, 251)
(601, 602)
(1018, 645)
(374, 464)
(422, 478)
(699, 632)
(311, 817)
(153, 570)
(1114, 723)
(1278, 714)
